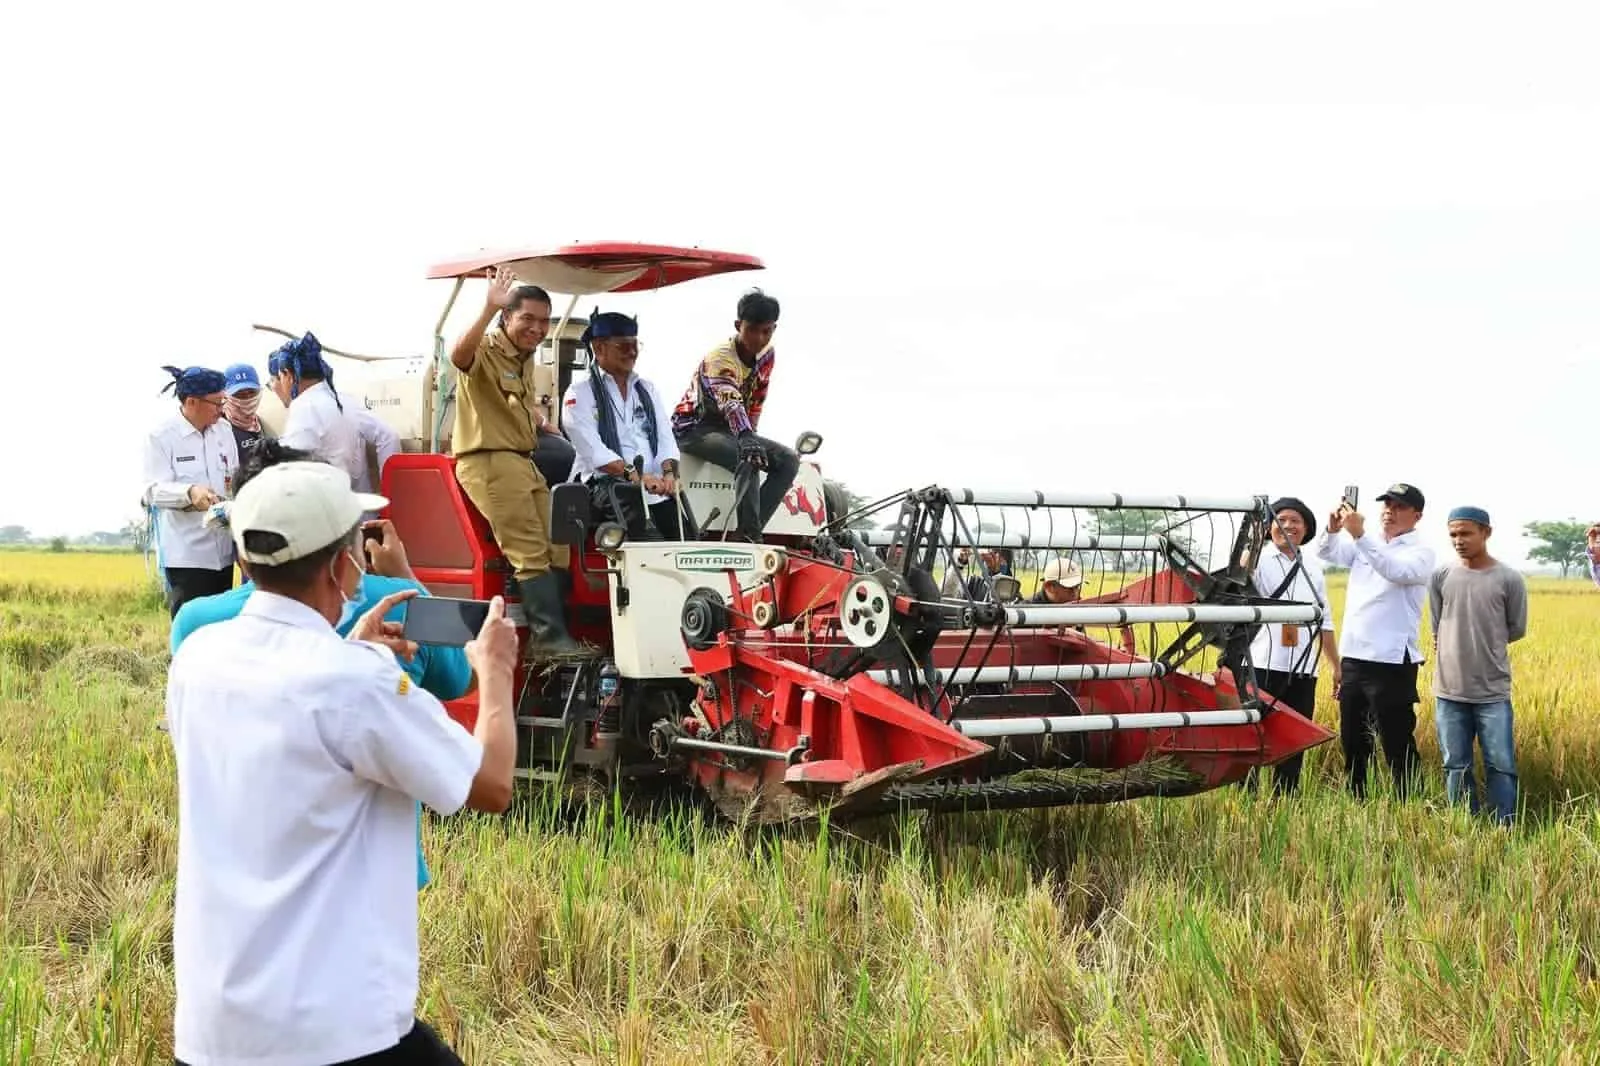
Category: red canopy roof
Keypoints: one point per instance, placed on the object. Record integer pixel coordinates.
(604, 266)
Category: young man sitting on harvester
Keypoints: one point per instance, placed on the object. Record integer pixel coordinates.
(495, 436)
(614, 417)
(717, 417)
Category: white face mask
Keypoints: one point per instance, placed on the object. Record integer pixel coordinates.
(349, 609)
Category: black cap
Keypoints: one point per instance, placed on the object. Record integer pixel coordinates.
(1293, 503)
(1406, 494)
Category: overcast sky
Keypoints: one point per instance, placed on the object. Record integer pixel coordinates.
(1227, 247)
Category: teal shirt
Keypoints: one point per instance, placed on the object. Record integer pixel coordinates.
(444, 672)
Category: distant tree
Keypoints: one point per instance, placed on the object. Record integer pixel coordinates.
(1138, 522)
(1561, 544)
(14, 535)
(58, 544)
(137, 532)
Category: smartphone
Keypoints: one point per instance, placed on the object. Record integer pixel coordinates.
(1351, 492)
(444, 620)
(371, 533)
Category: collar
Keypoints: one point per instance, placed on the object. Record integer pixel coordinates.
(310, 390)
(503, 339)
(764, 355)
(275, 608)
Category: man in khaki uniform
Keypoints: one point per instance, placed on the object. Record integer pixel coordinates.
(496, 433)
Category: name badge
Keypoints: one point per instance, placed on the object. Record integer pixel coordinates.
(1291, 637)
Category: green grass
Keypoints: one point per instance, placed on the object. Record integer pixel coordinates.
(1229, 927)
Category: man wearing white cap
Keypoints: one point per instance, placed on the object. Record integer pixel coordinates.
(1061, 581)
(300, 755)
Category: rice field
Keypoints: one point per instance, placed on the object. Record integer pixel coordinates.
(1231, 927)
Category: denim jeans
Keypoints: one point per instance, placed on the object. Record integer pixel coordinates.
(1490, 723)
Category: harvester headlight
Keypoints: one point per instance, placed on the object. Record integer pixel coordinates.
(609, 536)
(808, 442)
(1006, 588)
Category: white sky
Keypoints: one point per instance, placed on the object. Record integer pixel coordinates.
(1167, 247)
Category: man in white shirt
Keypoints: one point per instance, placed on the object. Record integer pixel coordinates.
(1382, 633)
(614, 416)
(317, 421)
(1284, 654)
(189, 463)
(300, 757)
(379, 444)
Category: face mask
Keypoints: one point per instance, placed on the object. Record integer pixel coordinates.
(350, 609)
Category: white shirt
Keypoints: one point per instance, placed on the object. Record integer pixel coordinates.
(300, 756)
(1383, 602)
(384, 442)
(176, 456)
(581, 420)
(315, 424)
(1310, 585)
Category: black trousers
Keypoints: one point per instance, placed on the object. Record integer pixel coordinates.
(189, 583)
(1379, 699)
(1299, 691)
(420, 1047)
(616, 498)
(755, 509)
(554, 457)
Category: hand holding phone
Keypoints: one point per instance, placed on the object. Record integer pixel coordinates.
(444, 620)
(1352, 494)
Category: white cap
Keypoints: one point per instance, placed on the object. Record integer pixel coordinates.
(1063, 572)
(309, 504)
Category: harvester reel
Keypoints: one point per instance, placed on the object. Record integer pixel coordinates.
(866, 612)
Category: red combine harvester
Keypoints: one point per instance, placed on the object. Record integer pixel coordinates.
(823, 669)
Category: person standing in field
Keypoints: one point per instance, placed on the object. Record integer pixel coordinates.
(300, 755)
(189, 463)
(1592, 548)
(443, 671)
(1479, 609)
(1284, 654)
(1381, 634)
(242, 400)
(317, 421)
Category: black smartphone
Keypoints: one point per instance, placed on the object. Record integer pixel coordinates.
(370, 534)
(1351, 492)
(444, 620)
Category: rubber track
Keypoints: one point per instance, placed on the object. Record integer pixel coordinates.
(948, 797)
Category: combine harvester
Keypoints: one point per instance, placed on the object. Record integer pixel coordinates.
(822, 670)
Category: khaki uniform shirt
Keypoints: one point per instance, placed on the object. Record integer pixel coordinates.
(492, 412)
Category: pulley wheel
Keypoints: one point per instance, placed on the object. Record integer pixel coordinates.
(704, 618)
(866, 612)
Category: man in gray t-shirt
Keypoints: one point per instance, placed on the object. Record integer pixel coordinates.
(1478, 608)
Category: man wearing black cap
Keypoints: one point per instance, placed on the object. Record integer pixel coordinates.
(615, 416)
(1284, 655)
(1382, 632)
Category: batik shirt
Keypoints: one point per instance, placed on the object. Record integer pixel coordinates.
(725, 393)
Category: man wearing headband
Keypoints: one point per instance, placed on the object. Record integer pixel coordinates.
(1381, 637)
(495, 436)
(716, 419)
(1284, 655)
(189, 463)
(1479, 609)
(317, 421)
(242, 399)
(614, 415)
(300, 757)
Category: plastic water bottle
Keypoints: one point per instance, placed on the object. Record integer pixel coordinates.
(610, 716)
